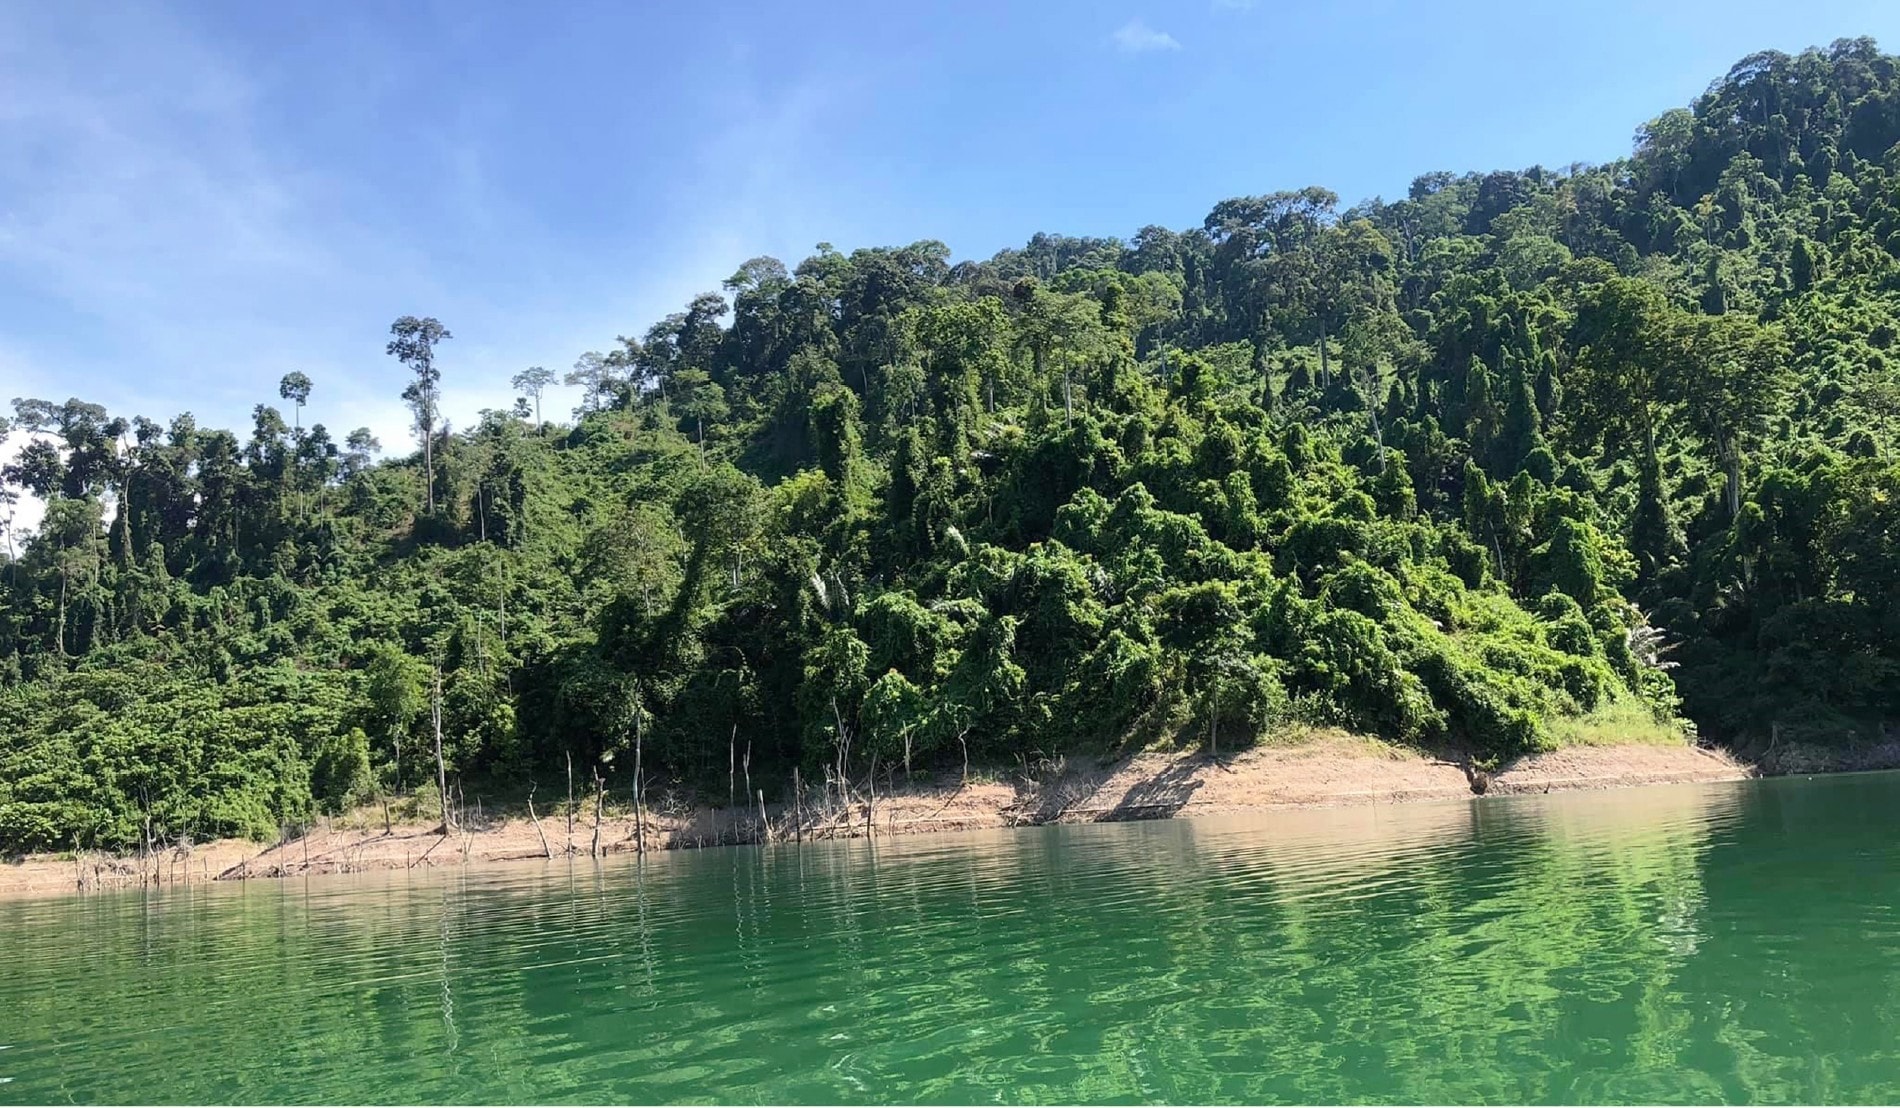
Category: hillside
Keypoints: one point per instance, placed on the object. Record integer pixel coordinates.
(1518, 459)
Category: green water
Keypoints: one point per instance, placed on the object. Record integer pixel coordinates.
(1695, 943)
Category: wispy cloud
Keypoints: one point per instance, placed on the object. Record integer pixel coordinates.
(1234, 5)
(147, 214)
(169, 240)
(1136, 37)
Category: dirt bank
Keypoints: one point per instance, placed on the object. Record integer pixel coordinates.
(1327, 772)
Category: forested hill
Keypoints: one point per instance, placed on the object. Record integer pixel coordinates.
(1519, 459)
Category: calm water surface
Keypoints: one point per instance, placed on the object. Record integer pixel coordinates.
(1696, 943)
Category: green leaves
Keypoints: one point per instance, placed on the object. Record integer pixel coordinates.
(1414, 468)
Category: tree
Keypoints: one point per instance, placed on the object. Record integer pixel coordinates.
(361, 447)
(1412, 466)
(532, 382)
(1203, 625)
(1801, 266)
(413, 345)
(1735, 375)
(393, 691)
(295, 387)
(1062, 328)
(594, 374)
(698, 400)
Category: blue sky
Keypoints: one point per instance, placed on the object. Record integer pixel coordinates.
(198, 198)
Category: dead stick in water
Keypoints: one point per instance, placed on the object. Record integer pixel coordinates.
(431, 850)
(600, 798)
(765, 825)
(545, 851)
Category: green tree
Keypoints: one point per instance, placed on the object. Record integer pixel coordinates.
(295, 387)
(532, 382)
(413, 344)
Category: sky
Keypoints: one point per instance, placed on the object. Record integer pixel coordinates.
(196, 199)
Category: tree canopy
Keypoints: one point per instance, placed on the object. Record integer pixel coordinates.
(1460, 469)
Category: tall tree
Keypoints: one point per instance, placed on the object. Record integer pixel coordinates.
(593, 373)
(295, 387)
(532, 382)
(413, 344)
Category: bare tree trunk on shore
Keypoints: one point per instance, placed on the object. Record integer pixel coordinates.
(441, 770)
(639, 809)
(600, 800)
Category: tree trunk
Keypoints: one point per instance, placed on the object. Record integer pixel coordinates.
(428, 461)
(843, 749)
(1325, 367)
(798, 806)
(441, 769)
(1372, 409)
(546, 851)
(1734, 489)
(1213, 722)
(600, 801)
(639, 810)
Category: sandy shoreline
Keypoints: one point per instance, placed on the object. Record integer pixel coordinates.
(1324, 773)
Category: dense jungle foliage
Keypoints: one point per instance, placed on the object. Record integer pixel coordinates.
(1471, 469)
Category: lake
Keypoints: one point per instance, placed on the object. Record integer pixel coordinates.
(1736, 942)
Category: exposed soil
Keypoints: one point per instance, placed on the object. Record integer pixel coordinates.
(1327, 772)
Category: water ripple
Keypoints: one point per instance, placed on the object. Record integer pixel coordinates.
(1735, 942)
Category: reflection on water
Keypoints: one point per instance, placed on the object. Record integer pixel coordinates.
(1693, 943)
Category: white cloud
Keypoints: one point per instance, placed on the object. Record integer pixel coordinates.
(1136, 37)
(1234, 5)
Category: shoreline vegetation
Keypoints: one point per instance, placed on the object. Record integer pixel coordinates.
(1328, 770)
(1524, 464)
